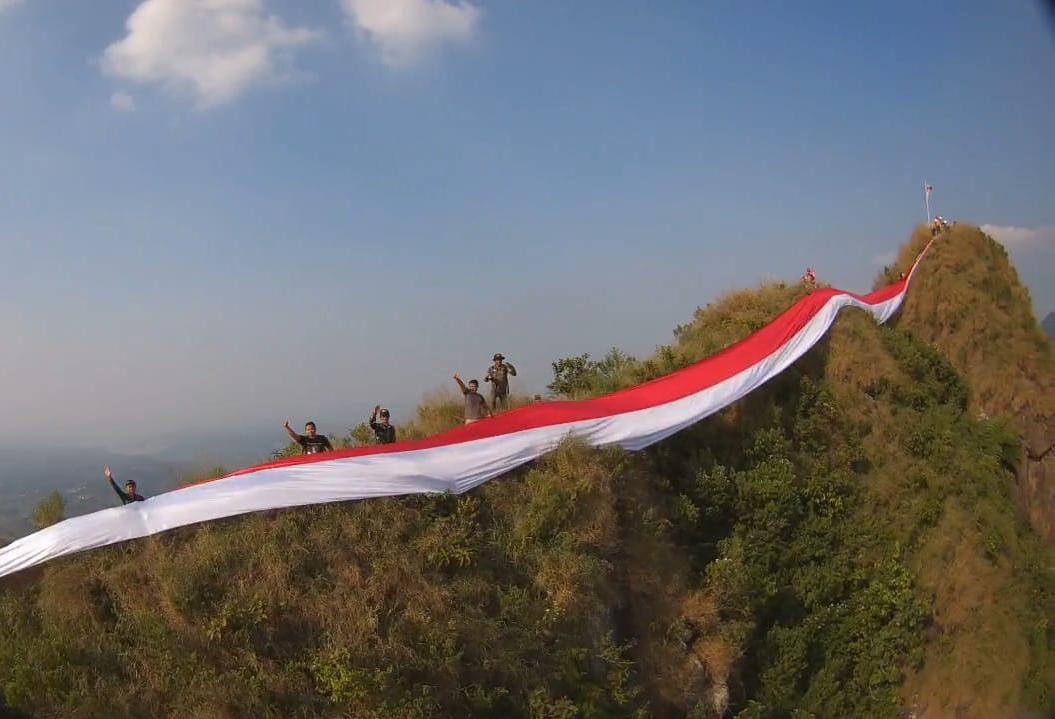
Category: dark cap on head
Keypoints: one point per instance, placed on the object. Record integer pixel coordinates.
(499, 356)
(384, 412)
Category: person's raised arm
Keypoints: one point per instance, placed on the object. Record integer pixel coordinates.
(373, 417)
(458, 379)
(110, 476)
(512, 369)
(292, 435)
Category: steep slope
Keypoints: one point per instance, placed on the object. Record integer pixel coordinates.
(1049, 325)
(940, 487)
(931, 484)
(969, 303)
(518, 600)
(843, 542)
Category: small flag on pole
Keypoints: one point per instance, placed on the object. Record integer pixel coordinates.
(930, 189)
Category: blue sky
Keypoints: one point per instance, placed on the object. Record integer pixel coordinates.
(273, 209)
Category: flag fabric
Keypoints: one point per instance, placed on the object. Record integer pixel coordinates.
(930, 189)
(467, 456)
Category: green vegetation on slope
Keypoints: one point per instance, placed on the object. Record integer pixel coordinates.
(843, 542)
(50, 510)
(968, 302)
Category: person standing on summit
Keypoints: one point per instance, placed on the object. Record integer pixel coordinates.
(498, 375)
(129, 494)
(311, 442)
(383, 430)
(475, 404)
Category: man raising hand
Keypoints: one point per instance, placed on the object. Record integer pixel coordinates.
(475, 404)
(127, 496)
(498, 375)
(311, 442)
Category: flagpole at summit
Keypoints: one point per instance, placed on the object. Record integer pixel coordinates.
(927, 189)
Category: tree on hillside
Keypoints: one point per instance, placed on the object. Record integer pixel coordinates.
(581, 376)
(842, 542)
(51, 510)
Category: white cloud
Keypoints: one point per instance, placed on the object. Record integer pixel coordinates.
(403, 29)
(123, 101)
(1018, 237)
(212, 51)
(6, 4)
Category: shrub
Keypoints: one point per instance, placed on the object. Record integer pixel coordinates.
(52, 509)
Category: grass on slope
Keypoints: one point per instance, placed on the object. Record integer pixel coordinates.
(843, 542)
(968, 302)
(514, 601)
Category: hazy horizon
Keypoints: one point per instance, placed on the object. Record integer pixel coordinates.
(194, 249)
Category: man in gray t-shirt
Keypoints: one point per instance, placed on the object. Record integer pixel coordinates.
(475, 405)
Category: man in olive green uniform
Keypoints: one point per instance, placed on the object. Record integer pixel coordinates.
(384, 430)
(498, 375)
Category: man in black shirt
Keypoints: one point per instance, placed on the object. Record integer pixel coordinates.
(127, 496)
(383, 430)
(311, 442)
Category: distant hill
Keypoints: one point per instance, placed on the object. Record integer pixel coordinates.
(27, 476)
(847, 541)
(233, 448)
(1049, 325)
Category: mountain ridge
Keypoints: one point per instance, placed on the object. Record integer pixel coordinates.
(995, 343)
(844, 542)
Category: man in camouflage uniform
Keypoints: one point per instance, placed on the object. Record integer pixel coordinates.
(498, 375)
(384, 430)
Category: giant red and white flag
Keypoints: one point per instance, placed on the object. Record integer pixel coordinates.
(466, 457)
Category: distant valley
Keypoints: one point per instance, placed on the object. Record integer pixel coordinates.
(27, 475)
